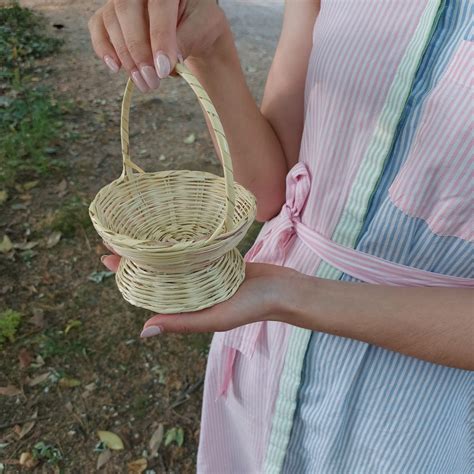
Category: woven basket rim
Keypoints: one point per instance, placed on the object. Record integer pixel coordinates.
(162, 245)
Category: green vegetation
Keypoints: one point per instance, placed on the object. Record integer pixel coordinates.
(9, 322)
(30, 118)
(47, 453)
(53, 343)
(22, 40)
(71, 217)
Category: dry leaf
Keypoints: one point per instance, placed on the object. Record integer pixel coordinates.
(39, 361)
(10, 391)
(137, 467)
(25, 245)
(190, 139)
(74, 323)
(66, 382)
(38, 379)
(26, 428)
(25, 358)
(103, 458)
(111, 440)
(38, 318)
(27, 460)
(30, 185)
(61, 188)
(53, 239)
(156, 440)
(5, 245)
(3, 196)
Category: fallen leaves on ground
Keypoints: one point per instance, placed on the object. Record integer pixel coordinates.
(190, 139)
(111, 440)
(74, 323)
(22, 431)
(67, 382)
(103, 458)
(27, 460)
(156, 440)
(38, 379)
(6, 244)
(25, 358)
(138, 466)
(38, 318)
(10, 391)
(53, 239)
(174, 435)
(3, 196)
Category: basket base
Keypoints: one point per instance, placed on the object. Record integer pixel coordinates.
(167, 293)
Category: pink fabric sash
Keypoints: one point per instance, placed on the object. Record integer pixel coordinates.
(283, 229)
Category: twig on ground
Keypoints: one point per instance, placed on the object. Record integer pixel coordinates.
(185, 396)
(21, 422)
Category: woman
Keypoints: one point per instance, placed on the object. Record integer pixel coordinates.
(359, 355)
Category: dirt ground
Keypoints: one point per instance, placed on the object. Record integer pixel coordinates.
(77, 364)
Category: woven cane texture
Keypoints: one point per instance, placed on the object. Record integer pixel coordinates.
(177, 231)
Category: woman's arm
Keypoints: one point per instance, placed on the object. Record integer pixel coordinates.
(433, 324)
(264, 143)
(144, 38)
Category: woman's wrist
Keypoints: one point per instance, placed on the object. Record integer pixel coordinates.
(291, 296)
(222, 54)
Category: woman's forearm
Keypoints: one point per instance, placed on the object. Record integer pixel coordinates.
(434, 324)
(257, 155)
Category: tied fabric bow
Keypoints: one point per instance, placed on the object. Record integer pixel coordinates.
(271, 247)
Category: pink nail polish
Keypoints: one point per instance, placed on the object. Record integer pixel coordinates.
(163, 65)
(151, 331)
(150, 76)
(112, 65)
(139, 81)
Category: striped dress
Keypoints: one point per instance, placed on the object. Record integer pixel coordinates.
(387, 143)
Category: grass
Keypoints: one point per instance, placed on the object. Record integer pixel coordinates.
(30, 118)
(71, 217)
(9, 322)
(29, 126)
(22, 41)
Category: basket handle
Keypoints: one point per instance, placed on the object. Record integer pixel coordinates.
(129, 166)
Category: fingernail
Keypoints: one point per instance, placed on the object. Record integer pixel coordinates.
(112, 65)
(139, 81)
(150, 76)
(102, 259)
(163, 65)
(151, 331)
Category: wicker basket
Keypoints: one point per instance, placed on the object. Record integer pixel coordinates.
(177, 231)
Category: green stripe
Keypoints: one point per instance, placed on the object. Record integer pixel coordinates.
(350, 224)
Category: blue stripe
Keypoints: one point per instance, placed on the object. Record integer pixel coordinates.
(363, 409)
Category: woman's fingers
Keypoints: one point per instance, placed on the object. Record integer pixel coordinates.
(133, 20)
(207, 320)
(112, 262)
(114, 31)
(163, 19)
(101, 43)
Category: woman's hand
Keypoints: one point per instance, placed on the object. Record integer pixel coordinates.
(264, 295)
(146, 38)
